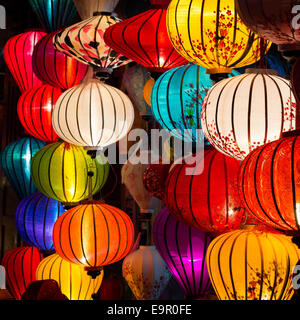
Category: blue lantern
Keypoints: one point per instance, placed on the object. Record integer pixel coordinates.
(35, 218)
(15, 160)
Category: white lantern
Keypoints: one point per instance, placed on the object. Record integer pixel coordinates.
(93, 115)
(244, 112)
(86, 8)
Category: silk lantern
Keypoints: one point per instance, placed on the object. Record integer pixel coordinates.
(18, 52)
(147, 90)
(111, 288)
(144, 39)
(43, 290)
(35, 108)
(20, 265)
(54, 14)
(93, 115)
(247, 111)
(207, 200)
(146, 273)
(87, 8)
(93, 235)
(56, 68)
(252, 265)
(15, 160)
(35, 218)
(72, 279)
(183, 250)
(212, 35)
(60, 171)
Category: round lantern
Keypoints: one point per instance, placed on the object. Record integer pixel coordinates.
(54, 14)
(183, 249)
(15, 160)
(93, 115)
(146, 273)
(93, 235)
(144, 39)
(147, 90)
(43, 290)
(20, 265)
(247, 111)
(87, 8)
(35, 218)
(56, 68)
(35, 108)
(18, 53)
(212, 35)
(72, 279)
(208, 199)
(252, 265)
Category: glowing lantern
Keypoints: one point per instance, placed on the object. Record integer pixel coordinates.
(183, 250)
(212, 35)
(111, 239)
(18, 53)
(146, 273)
(35, 111)
(247, 111)
(147, 90)
(252, 265)
(56, 68)
(72, 279)
(87, 8)
(93, 115)
(20, 265)
(35, 218)
(144, 39)
(60, 171)
(15, 160)
(209, 200)
(54, 14)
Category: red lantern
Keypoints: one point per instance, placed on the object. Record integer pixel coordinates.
(111, 288)
(144, 39)
(18, 53)
(20, 265)
(209, 200)
(56, 68)
(43, 290)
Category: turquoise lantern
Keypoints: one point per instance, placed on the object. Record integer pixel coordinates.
(15, 160)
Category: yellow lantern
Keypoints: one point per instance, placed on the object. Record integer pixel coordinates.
(73, 280)
(252, 264)
(147, 90)
(212, 35)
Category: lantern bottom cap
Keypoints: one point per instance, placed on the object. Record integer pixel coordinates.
(219, 70)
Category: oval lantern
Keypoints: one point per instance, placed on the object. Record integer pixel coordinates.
(56, 68)
(54, 14)
(93, 115)
(183, 250)
(146, 273)
(15, 160)
(35, 218)
(18, 52)
(212, 35)
(60, 171)
(93, 235)
(202, 192)
(35, 108)
(252, 265)
(72, 279)
(87, 8)
(147, 90)
(247, 111)
(20, 265)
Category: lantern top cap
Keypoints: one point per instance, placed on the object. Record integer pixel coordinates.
(262, 71)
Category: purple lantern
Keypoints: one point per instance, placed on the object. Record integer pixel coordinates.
(184, 251)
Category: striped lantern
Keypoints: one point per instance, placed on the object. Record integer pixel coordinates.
(35, 108)
(87, 8)
(244, 112)
(20, 265)
(73, 280)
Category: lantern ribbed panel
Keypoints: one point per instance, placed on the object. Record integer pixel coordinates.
(35, 108)
(73, 280)
(35, 218)
(252, 265)
(93, 115)
(18, 52)
(247, 111)
(93, 235)
(183, 249)
(60, 171)
(20, 265)
(86, 8)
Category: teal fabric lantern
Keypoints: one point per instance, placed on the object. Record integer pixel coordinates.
(15, 160)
